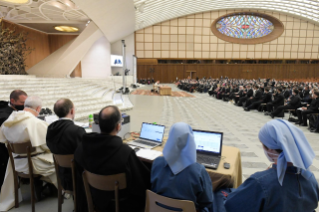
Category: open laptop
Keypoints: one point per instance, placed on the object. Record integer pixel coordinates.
(151, 136)
(208, 147)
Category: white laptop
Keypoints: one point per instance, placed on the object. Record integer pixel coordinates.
(151, 136)
(208, 147)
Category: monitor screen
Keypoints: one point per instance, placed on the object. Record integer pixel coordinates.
(116, 60)
(208, 141)
(152, 132)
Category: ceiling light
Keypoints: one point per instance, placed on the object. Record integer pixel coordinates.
(17, 1)
(66, 29)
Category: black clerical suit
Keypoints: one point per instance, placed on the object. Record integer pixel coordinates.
(240, 95)
(265, 99)
(313, 108)
(5, 112)
(249, 94)
(63, 137)
(278, 101)
(105, 154)
(293, 104)
(255, 98)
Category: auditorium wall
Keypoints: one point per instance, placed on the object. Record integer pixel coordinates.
(191, 37)
(168, 72)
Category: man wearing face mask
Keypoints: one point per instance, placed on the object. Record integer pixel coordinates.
(17, 98)
(23, 126)
(63, 137)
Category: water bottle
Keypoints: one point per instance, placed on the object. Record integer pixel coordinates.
(91, 120)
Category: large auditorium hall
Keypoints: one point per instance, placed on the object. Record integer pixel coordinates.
(153, 105)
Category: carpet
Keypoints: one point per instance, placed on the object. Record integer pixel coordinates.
(149, 93)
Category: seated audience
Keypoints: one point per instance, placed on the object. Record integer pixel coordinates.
(312, 108)
(294, 103)
(63, 137)
(188, 180)
(247, 94)
(279, 100)
(17, 99)
(23, 126)
(288, 185)
(105, 154)
(257, 95)
(266, 97)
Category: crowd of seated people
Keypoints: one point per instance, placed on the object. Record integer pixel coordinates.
(146, 81)
(288, 186)
(273, 97)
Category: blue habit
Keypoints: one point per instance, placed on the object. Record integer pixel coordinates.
(262, 192)
(193, 184)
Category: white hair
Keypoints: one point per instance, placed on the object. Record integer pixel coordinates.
(33, 102)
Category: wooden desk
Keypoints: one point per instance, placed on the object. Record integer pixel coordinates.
(165, 90)
(221, 178)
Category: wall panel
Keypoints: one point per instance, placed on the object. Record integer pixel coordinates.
(167, 73)
(36, 40)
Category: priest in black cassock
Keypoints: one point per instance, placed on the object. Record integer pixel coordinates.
(63, 137)
(106, 154)
(17, 98)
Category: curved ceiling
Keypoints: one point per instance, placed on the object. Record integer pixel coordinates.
(42, 11)
(150, 12)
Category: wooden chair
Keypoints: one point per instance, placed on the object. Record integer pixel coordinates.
(154, 202)
(105, 183)
(22, 148)
(65, 161)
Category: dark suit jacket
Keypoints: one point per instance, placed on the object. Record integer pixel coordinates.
(258, 95)
(314, 105)
(279, 100)
(295, 101)
(249, 93)
(266, 98)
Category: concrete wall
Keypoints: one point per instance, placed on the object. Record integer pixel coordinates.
(97, 62)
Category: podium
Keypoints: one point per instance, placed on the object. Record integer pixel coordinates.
(191, 73)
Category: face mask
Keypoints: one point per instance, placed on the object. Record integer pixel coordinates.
(18, 107)
(271, 156)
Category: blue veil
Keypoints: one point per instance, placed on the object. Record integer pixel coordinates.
(280, 134)
(180, 149)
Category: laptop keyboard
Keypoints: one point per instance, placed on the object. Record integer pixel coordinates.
(145, 142)
(207, 159)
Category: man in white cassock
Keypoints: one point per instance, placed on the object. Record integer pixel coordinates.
(22, 126)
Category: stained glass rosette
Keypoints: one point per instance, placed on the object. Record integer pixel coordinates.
(244, 26)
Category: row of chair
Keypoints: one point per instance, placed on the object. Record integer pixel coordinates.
(114, 183)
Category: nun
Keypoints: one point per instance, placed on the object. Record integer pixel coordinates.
(288, 185)
(177, 175)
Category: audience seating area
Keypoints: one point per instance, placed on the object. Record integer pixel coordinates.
(88, 95)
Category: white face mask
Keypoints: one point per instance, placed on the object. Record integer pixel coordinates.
(271, 156)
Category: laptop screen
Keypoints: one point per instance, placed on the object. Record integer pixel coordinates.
(152, 132)
(207, 141)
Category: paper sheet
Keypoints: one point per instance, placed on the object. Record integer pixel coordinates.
(148, 154)
(82, 124)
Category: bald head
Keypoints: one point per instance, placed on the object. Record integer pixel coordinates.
(64, 108)
(110, 120)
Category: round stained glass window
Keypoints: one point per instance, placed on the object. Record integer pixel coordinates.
(244, 26)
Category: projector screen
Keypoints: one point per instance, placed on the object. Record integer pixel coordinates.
(116, 61)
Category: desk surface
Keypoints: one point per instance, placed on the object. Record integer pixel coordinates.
(221, 177)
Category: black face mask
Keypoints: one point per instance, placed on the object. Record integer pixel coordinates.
(18, 107)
